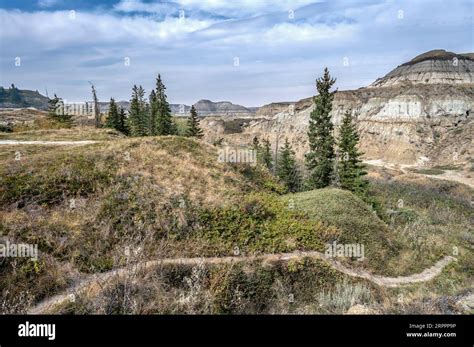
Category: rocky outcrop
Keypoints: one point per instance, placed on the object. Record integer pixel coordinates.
(21, 98)
(274, 108)
(402, 119)
(203, 108)
(433, 67)
(224, 108)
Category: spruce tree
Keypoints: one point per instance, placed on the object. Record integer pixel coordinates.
(153, 113)
(15, 96)
(56, 111)
(122, 122)
(350, 167)
(266, 155)
(287, 170)
(146, 117)
(138, 117)
(95, 100)
(144, 112)
(257, 148)
(53, 106)
(112, 120)
(193, 125)
(3, 94)
(256, 144)
(164, 120)
(320, 158)
(134, 113)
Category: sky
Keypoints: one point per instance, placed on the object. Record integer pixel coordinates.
(249, 52)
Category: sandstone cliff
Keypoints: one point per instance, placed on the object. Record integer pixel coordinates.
(419, 114)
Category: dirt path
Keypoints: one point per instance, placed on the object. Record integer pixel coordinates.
(448, 175)
(94, 280)
(50, 143)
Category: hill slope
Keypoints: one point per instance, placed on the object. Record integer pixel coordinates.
(122, 202)
(418, 114)
(433, 67)
(16, 98)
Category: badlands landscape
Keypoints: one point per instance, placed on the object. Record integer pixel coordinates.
(160, 224)
(417, 117)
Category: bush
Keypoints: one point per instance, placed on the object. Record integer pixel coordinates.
(344, 296)
(261, 224)
(53, 180)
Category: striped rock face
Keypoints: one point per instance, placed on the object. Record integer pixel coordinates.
(422, 111)
(434, 67)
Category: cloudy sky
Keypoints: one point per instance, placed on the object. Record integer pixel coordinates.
(249, 52)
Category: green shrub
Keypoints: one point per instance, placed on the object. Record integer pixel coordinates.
(403, 216)
(49, 183)
(261, 224)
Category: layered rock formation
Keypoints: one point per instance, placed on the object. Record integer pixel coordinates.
(17, 98)
(224, 108)
(419, 114)
(203, 107)
(273, 108)
(432, 67)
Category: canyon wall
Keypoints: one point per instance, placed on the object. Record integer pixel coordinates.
(418, 114)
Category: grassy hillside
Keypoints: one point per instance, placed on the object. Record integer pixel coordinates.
(14, 97)
(430, 218)
(164, 197)
(65, 134)
(83, 204)
(96, 207)
(356, 221)
(306, 287)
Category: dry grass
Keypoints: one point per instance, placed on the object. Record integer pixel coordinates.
(86, 205)
(63, 134)
(435, 219)
(83, 205)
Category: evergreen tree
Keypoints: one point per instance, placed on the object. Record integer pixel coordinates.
(122, 122)
(153, 113)
(96, 107)
(320, 158)
(112, 120)
(287, 170)
(257, 148)
(3, 94)
(266, 155)
(193, 125)
(146, 117)
(164, 121)
(15, 97)
(53, 106)
(256, 144)
(138, 117)
(56, 110)
(350, 167)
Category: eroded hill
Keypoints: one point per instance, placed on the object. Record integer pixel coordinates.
(120, 202)
(419, 115)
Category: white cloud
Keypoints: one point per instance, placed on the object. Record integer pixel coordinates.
(59, 29)
(48, 3)
(139, 6)
(195, 55)
(263, 31)
(248, 5)
(288, 32)
(223, 7)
